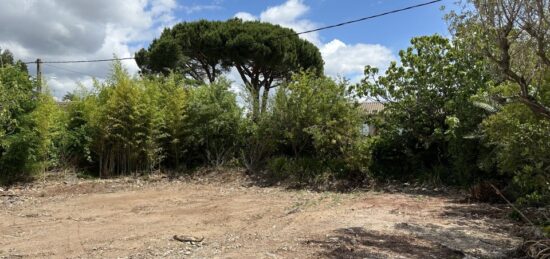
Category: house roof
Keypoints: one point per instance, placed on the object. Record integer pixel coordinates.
(372, 107)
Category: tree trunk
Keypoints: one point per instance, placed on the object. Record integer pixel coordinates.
(255, 95)
(265, 98)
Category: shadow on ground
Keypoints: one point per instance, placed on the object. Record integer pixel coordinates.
(358, 242)
(468, 231)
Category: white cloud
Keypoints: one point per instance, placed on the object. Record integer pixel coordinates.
(83, 29)
(80, 29)
(245, 16)
(350, 60)
(285, 13)
(341, 59)
(290, 15)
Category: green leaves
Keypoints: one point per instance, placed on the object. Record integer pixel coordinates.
(212, 124)
(134, 125)
(21, 139)
(520, 142)
(427, 103)
(312, 117)
(264, 54)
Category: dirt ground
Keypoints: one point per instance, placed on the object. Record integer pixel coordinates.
(136, 218)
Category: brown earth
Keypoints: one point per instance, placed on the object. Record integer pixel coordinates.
(136, 218)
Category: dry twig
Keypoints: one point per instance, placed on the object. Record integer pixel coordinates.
(190, 239)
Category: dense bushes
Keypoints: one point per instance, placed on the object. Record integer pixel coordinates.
(213, 121)
(131, 125)
(428, 113)
(521, 144)
(316, 130)
(447, 119)
(19, 139)
(30, 124)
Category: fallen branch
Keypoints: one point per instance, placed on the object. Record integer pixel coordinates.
(538, 249)
(512, 205)
(190, 239)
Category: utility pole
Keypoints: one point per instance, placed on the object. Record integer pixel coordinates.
(39, 75)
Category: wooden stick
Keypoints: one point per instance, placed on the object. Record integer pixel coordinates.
(188, 239)
(512, 205)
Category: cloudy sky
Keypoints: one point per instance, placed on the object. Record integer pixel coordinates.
(84, 29)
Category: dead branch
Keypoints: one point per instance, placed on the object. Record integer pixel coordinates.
(190, 239)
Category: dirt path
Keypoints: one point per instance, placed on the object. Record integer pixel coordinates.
(110, 219)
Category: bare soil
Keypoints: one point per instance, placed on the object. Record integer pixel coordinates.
(137, 218)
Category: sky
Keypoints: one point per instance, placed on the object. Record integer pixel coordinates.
(83, 30)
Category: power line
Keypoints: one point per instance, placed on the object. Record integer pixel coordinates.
(297, 33)
(73, 71)
(80, 61)
(370, 17)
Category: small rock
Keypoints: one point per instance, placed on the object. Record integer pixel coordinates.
(334, 239)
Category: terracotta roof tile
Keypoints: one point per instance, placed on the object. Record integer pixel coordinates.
(372, 107)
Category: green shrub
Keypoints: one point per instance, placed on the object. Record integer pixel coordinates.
(212, 123)
(50, 121)
(427, 112)
(21, 145)
(315, 127)
(173, 105)
(258, 142)
(521, 145)
(135, 125)
(116, 127)
(76, 144)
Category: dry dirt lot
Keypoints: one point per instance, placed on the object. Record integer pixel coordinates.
(128, 218)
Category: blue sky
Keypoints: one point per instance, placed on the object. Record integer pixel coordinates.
(347, 49)
(85, 30)
(393, 31)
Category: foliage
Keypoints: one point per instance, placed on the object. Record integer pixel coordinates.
(263, 54)
(131, 125)
(520, 142)
(513, 37)
(213, 123)
(427, 111)
(173, 104)
(76, 143)
(460, 110)
(117, 128)
(20, 140)
(126, 125)
(317, 126)
(191, 48)
(6, 59)
(258, 142)
(50, 123)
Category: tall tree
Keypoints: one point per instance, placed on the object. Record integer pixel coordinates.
(264, 54)
(515, 37)
(20, 138)
(192, 48)
(6, 58)
(427, 110)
